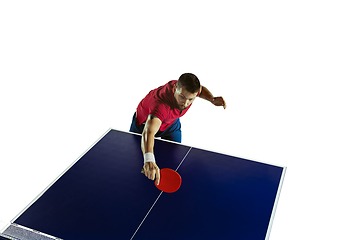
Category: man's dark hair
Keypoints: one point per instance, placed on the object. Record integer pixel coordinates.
(190, 82)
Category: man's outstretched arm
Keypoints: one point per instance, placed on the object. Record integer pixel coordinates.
(152, 126)
(207, 95)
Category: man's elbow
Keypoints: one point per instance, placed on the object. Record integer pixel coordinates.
(147, 133)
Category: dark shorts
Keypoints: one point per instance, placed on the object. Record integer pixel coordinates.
(172, 133)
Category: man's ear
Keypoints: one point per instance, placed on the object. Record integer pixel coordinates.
(174, 88)
(200, 91)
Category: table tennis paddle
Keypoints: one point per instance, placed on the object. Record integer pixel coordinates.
(170, 180)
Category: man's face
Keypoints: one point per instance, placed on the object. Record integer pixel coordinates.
(183, 98)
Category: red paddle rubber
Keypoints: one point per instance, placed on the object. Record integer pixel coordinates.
(170, 181)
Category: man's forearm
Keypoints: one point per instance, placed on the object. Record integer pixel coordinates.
(150, 169)
(206, 94)
(147, 142)
(152, 126)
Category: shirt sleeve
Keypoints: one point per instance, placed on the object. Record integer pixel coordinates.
(160, 110)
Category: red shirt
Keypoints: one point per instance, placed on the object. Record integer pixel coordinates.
(161, 103)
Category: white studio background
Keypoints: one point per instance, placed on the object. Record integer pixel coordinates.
(288, 70)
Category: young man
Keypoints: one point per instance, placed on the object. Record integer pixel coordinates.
(157, 115)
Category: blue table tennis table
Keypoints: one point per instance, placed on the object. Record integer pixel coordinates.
(104, 195)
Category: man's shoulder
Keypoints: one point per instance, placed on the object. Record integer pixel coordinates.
(164, 92)
(167, 87)
(172, 82)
